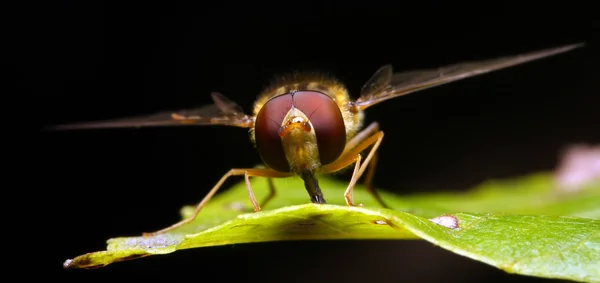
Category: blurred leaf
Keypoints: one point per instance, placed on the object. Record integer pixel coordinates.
(520, 225)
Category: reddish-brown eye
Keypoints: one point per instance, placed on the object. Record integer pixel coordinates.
(327, 120)
(324, 115)
(266, 131)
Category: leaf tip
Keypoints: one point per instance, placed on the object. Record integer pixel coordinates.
(67, 263)
(448, 221)
(83, 261)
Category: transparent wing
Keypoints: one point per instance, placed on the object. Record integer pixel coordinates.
(222, 112)
(379, 82)
(384, 85)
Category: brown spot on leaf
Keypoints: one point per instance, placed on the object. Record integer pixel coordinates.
(79, 262)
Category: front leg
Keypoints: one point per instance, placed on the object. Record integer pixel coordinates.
(352, 155)
(233, 172)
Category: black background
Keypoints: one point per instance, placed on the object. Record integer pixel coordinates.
(95, 60)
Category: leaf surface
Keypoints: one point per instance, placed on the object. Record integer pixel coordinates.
(520, 225)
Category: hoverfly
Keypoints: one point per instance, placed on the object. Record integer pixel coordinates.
(305, 124)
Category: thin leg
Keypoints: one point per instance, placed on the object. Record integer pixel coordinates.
(250, 192)
(356, 140)
(348, 196)
(233, 172)
(369, 181)
(353, 156)
(272, 192)
(371, 129)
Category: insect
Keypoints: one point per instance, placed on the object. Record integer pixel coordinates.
(306, 124)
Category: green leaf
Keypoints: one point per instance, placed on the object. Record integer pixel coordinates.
(520, 225)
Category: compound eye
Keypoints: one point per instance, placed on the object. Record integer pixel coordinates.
(266, 131)
(326, 117)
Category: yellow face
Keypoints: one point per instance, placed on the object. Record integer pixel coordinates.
(302, 122)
